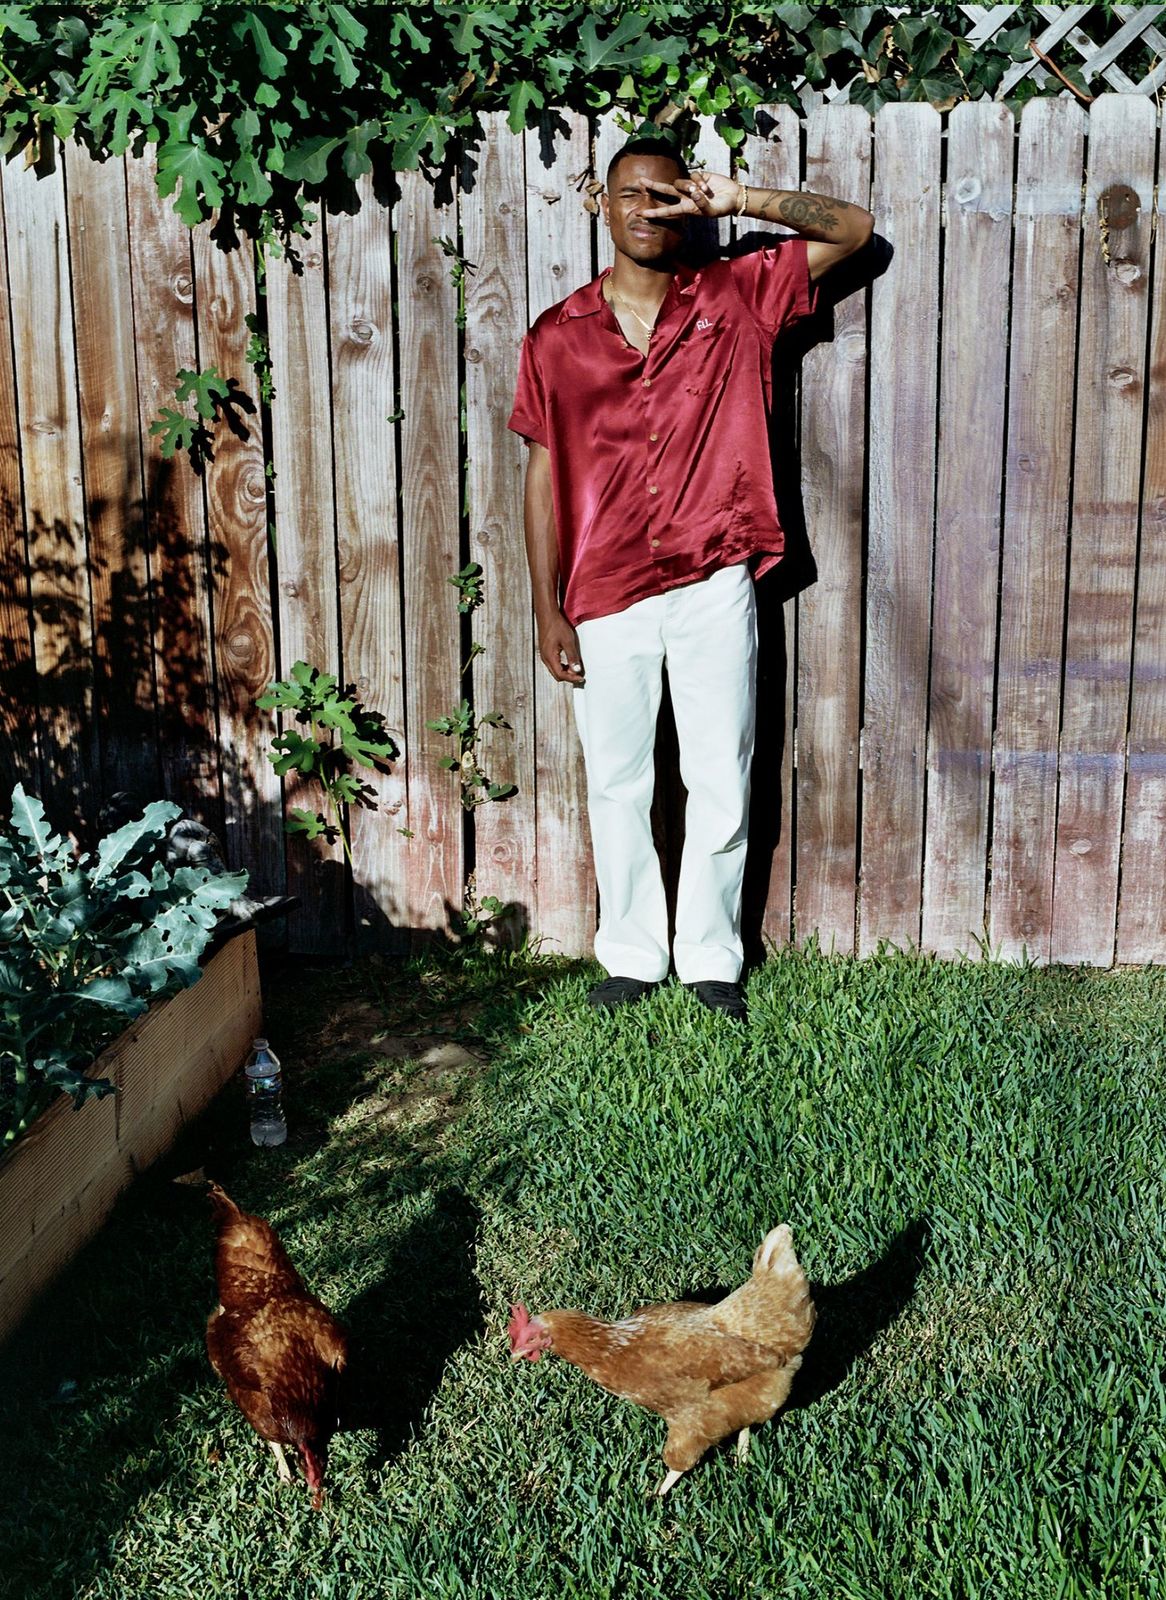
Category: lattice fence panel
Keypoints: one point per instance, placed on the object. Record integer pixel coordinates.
(1131, 60)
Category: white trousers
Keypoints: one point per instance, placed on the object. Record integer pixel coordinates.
(706, 633)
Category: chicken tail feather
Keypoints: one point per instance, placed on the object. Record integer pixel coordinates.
(223, 1206)
(775, 1253)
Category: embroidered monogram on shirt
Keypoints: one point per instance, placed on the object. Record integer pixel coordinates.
(705, 322)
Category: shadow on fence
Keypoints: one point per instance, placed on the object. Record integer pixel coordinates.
(769, 826)
(106, 660)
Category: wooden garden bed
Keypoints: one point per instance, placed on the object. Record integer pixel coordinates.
(60, 1182)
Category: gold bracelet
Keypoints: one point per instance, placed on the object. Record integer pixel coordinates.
(744, 201)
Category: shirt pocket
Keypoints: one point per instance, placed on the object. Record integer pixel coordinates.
(708, 379)
(707, 360)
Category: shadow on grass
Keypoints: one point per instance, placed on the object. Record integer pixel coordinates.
(405, 1329)
(851, 1314)
(106, 1393)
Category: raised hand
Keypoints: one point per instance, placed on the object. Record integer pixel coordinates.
(704, 194)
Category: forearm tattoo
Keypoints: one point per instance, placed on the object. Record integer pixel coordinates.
(803, 210)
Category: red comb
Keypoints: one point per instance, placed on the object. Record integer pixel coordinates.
(519, 1322)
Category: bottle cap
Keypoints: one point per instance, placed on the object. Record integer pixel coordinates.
(259, 1044)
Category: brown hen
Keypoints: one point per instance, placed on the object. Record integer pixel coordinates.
(278, 1348)
(710, 1370)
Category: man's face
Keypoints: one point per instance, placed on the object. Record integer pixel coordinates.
(629, 194)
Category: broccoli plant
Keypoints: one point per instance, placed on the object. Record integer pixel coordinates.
(86, 943)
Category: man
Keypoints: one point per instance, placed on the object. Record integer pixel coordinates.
(644, 399)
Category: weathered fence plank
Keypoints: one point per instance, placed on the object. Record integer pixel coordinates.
(366, 434)
(237, 534)
(364, 403)
(558, 261)
(1141, 927)
(430, 512)
(774, 162)
(1037, 475)
(103, 317)
(305, 565)
(162, 280)
(493, 218)
(902, 486)
(19, 739)
(608, 138)
(829, 659)
(1103, 555)
(967, 525)
(50, 447)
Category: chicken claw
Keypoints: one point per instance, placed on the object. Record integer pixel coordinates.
(285, 1475)
(666, 1483)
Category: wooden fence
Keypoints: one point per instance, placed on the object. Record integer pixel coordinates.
(964, 728)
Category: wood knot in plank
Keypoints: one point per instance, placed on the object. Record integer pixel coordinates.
(361, 331)
(1121, 377)
(1118, 206)
(240, 647)
(252, 487)
(474, 355)
(182, 288)
(967, 190)
(1081, 847)
(1127, 271)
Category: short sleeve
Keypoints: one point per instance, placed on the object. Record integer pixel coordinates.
(775, 284)
(529, 417)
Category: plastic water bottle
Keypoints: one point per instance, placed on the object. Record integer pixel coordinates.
(264, 1082)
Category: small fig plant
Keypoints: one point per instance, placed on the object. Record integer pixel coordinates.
(339, 733)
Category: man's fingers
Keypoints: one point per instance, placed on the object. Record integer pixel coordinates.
(564, 666)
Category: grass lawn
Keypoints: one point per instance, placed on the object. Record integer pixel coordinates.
(971, 1160)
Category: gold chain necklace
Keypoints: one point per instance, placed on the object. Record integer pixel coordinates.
(648, 327)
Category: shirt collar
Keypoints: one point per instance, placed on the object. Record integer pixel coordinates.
(588, 300)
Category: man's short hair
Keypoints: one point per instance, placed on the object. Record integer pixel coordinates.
(648, 147)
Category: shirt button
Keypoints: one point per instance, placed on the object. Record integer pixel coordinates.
(653, 489)
(647, 383)
(655, 544)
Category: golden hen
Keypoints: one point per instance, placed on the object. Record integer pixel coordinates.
(710, 1370)
(278, 1348)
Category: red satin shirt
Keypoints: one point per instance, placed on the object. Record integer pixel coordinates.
(660, 465)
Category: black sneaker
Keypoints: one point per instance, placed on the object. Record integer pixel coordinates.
(615, 992)
(728, 998)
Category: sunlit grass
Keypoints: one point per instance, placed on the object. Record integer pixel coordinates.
(970, 1158)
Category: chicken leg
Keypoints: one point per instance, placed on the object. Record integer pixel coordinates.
(743, 1446)
(285, 1472)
